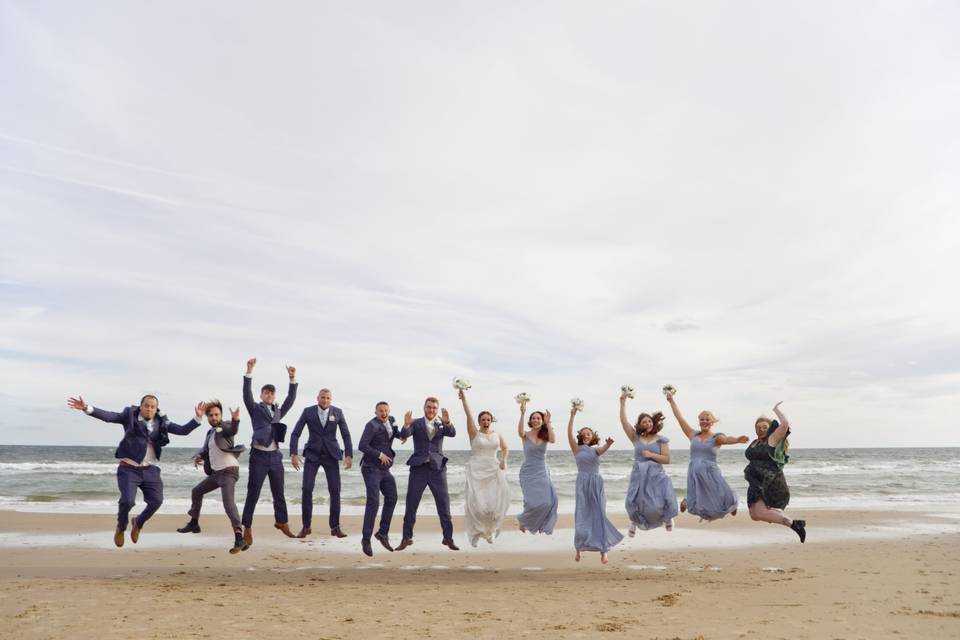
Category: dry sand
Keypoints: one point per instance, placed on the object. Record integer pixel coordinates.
(61, 578)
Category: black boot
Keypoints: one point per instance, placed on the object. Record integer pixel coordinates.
(191, 527)
(238, 543)
(800, 526)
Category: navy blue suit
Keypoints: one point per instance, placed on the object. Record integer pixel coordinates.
(378, 438)
(322, 450)
(133, 446)
(428, 468)
(265, 420)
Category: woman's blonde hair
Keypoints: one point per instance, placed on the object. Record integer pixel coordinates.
(709, 415)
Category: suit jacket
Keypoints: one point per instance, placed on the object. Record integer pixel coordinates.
(375, 441)
(223, 440)
(266, 428)
(323, 437)
(135, 432)
(427, 450)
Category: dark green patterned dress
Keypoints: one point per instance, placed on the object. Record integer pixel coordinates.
(765, 477)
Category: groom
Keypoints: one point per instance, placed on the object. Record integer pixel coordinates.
(428, 468)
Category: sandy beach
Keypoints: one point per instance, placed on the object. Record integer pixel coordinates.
(859, 575)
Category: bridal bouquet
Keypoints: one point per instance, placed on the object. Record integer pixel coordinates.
(669, 390)
(461, 384)
(627, 391)
(522, 397)
(576, 403)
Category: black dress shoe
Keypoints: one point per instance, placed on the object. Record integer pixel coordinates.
(238, 543)
(450, 543)
(191, 527)
(800, 526)
(336, 533)
(384, 540)
(406, 542)
(367, 549)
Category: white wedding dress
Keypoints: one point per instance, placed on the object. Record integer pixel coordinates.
(487, 495)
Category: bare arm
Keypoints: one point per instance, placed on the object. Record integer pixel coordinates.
(504, 453)
(471, 425)
(783, 430)
(602, 449)
(687, 430)
(551, 438)
(725, 439)
(663, 457)
(627, 427)
(571, 440)
(523, 414)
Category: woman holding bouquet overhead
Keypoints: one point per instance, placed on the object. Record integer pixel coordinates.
(539, 495)
(487, 496)
(768, 493)
(708, 494)
(593, 531)
(651, 500)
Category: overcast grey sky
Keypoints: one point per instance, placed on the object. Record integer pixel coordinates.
(753, 201)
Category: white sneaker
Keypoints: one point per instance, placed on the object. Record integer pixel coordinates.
(633, 529)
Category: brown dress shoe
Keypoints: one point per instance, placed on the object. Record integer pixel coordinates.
(337, 533)
(406, 542)
(284, 528)
(134, 531)
(384, 540)
(248, 536)
(118, 537)
(304, 532)
(450, 543)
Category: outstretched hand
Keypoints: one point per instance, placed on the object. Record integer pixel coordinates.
(235, 414)
(743, 440)
(609, 441)
(199, 409)
(77, 403)
(777, 406)
(445, 416)
(291, 371)
(251, 363)
(407, 419)
(461, 395)
(546, 417)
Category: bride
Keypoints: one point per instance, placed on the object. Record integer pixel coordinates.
(487, 494)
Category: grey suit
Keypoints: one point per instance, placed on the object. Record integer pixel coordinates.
(224, 479)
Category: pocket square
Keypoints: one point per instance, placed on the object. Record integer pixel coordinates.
(331, 418)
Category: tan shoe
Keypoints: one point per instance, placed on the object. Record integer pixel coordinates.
(118, 537)
(134, 531)
(284, 528)
(248, 536)
(406, 542)
(304, 532)
(337, 533)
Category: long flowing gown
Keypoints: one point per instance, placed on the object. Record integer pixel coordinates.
(487, 493)
(593, 531)
(708, 494)
(539, 496)
(651, 500)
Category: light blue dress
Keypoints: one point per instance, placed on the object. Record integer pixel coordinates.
(594, 532)
(651, 500)
(539, 496)
(708, 494)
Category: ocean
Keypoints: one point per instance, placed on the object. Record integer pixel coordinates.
(83, 479)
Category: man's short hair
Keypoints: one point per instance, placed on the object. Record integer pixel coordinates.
(431, 399)
(149, 395)
(324, 390)
(382, 403)
(268, 387)
(211, 404)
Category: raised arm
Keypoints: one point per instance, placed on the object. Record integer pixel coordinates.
(523, 414)
(602, 449)
(185, 429)
(248, 400)
(291, 392)
(449, 431)
(571, 440)
(687, 431)
(624, 422)
(100, 414)
(231, 429)
(407, 430)
(783, 430)
(551, 438)
(471, 425)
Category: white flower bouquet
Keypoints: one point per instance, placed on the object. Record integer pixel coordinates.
(461, 384)
(576, 403)
(669, 390)
(627, 391)
(522, 397)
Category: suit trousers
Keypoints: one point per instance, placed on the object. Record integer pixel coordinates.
(421, 477)
(378, 480)
(331, 469)
(225, 480)
(129, 479)
(264, 465)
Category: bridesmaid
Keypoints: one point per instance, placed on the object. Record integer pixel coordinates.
(487, 496)
(593, 531)
(768, 493)
(708, 494)
(539, 495)
(651, 500)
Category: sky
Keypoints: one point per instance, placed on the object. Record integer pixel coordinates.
(750, 201)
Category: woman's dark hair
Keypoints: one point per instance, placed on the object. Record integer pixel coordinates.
(594, 440)
(657, 419)
(484, 413)
(543, 433)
